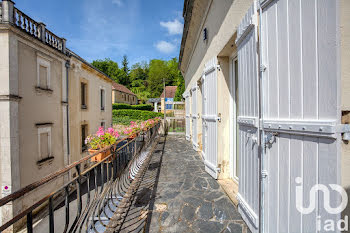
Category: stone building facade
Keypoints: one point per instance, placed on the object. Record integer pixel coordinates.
(42, 115)
(121, 94)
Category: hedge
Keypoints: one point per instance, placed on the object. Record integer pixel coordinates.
(145, 107)
(135, 114)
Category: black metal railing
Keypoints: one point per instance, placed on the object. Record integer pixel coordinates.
(94, 193)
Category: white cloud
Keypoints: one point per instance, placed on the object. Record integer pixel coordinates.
(174, 27)
(117, 2)
(165, 47)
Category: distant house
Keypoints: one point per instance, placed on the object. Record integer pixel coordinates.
(169, 96)
(121, 94)
(169, 92)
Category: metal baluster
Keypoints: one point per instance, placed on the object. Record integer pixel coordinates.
(79, 203)
(88, 187)
(51, 216)
(79, 189)
(30, 222)
(66, 203)
(102, 174)
(115, 164)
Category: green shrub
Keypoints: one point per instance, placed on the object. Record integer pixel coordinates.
(135, 114)
(123, 120)
(145, 107)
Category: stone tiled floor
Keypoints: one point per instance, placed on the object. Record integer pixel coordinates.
(177, 195)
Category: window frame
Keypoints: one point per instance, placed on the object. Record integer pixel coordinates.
(41, 61)
(85, 98)
(48, 130)
(102, 98)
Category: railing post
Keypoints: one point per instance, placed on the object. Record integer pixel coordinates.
(42, 32)
(64, 45)
(7, 11)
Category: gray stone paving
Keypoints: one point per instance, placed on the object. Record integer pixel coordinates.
(177, 195)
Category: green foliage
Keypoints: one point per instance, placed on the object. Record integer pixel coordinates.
(135, 114)
(145, 79)
(108, 67)
(144, 107)
(180, 90)
(123, 120)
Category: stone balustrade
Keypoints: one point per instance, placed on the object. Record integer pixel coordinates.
(12, 15)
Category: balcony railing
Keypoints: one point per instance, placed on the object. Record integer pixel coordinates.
(105, 184)
(12, 15)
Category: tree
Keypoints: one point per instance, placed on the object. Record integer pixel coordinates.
(108, 67)
(124, 74)
(180, 90)
(145, 79)
(125, 64)
(158, 70)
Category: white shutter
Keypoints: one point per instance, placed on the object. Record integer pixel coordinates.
(194, 91)
(248, 119)
(210, 117)
(301, 102)
(187, 115)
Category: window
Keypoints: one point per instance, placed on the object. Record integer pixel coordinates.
(102, 99)
(43, 73)
(44, 143)
(83, 91)
(128, 98)
(125, 97)
(115, 96)
(84, 134)
(103, 124)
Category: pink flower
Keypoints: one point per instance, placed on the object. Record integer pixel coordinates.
(110, 130)
(100, 133)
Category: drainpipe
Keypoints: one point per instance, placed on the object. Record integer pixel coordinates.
(67, 109)
(262, 137)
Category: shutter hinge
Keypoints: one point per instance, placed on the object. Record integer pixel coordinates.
(262, 68)
(218, 67)
(264, 173)
(345, 130)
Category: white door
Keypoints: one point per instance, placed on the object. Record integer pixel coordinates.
(301, 112)
(248, 119)
(210, 117)
(194, 91)
(188, 116)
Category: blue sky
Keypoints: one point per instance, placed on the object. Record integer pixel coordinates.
(96, 29)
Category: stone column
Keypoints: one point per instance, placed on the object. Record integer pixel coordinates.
(42, 32)
(155, 107)
(7, 11)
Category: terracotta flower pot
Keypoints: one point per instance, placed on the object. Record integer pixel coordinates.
(132, 136)
(100, 156)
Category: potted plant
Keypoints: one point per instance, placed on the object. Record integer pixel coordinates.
(132, 130)
(102, 138)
